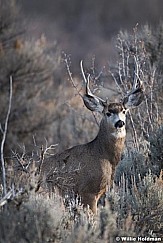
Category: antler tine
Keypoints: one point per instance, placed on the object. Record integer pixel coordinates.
(81, 66)
(138, 84)
(136, 87)
(135, 96)
(87, 80)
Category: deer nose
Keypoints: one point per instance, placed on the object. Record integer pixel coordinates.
(119, 124)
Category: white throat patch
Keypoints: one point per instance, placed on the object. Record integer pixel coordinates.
(120, 132)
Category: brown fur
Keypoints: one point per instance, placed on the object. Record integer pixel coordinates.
(87, 169)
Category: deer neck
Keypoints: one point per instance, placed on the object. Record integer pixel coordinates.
(109, 145)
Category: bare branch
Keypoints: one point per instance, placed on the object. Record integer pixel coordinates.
(7, 196)
(20, 160)
(1, 129)
(4, 139)
(45, 151)
(70, 75)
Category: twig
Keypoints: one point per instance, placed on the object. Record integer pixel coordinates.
(6, 197)
(135, 137)
(70, 75)
(4, 139)
(45, 151)
(20, 160)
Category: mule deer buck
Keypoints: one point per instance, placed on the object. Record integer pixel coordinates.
(88, 169)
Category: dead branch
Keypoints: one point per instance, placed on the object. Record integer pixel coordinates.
(4, 133)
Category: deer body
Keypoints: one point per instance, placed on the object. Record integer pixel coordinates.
(96, 161)
(88, 169)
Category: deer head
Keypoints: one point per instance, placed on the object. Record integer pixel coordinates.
(114, 114)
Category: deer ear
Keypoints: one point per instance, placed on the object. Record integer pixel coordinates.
(93, 103)
(134, 98)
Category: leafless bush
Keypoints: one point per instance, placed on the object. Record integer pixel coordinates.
(139, 193)
(142, 201)
(38, 219)
(135, 64)
(156, 153)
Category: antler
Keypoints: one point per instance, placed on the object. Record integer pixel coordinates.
(91, 101)
(135, 96)
(88, 91)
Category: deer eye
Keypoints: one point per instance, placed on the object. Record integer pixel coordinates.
(108, 114)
